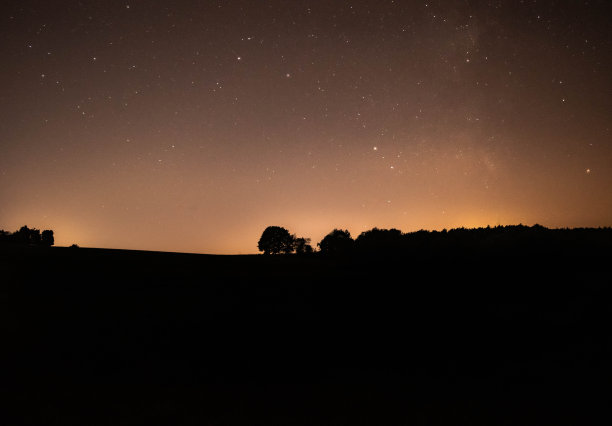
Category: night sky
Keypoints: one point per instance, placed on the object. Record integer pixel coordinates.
(191, 126)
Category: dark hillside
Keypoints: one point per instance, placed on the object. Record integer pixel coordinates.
(487, 334)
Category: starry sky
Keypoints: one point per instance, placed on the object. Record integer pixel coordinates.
(192, 125)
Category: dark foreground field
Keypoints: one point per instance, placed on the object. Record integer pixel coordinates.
(105, 337)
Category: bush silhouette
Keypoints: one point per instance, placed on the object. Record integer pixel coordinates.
(275, 240)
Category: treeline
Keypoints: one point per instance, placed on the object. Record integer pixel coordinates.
(28, 236)
(519, 238)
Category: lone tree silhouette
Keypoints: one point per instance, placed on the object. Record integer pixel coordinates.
(337, 241)
(275, 240)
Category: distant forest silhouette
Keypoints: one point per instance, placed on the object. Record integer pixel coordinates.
(27, 236)
(278, 240)
(519, 239)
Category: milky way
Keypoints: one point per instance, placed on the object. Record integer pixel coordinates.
(191, 126)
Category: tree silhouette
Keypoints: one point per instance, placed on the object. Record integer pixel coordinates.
(380, 240)
(26, 235)
(337, 241)
(47, 238)
(35, 237)
(275, 240)
(22, 236)
(302, 246)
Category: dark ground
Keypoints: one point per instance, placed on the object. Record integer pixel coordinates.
(110, 337)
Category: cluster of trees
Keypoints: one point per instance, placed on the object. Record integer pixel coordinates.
(276, 240)
(28, 236)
